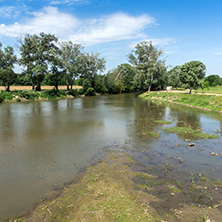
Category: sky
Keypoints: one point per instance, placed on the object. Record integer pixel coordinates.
(184, 30)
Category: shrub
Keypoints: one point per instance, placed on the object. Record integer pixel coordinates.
(90, 92)
(27, 94)
(73, 92)
(53, 93)
(1, 98)
(6, 95)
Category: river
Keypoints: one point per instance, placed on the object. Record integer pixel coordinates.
(46, 145)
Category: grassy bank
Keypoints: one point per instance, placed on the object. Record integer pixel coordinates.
(112, 191)
(30, 95)
(206, 102)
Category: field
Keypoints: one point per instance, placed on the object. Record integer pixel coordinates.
(214, 90)
(12, 88)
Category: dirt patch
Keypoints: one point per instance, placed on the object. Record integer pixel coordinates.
(12, 88)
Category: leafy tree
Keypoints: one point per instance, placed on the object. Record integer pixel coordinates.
(91, 64)
(37, 52)
(146, 59)
(71, 58)
(173, 77)
(213, 80)
(191, 74)
(7, 61)
(124, 77)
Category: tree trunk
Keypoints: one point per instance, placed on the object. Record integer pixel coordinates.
(38, 88)
(33, 86)
(71, 87)
(190, 91)
(8, 88)
(56, 86)
(149, 88)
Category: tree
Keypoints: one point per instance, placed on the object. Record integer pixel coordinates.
(124, 77)
(191, 74)
(36, 55)
(146, 59)
(71, 60)
(91, 64)
(173, 77)
(213, 80)
(7, 61)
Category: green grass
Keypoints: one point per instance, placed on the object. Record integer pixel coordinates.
(207, 102)
(215, 89)
(162, 121)
(191, 132)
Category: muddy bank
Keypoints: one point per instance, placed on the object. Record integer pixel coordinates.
(115, 190)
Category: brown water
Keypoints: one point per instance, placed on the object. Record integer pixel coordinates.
(44, 145)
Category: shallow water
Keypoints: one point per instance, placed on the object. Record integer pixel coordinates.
(44, 145)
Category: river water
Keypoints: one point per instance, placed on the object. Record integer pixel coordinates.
(45, 145)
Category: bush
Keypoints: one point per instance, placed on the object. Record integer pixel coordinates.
(73, 92)
(6, 95)
(27, 94)
(90, 92)
(1, 98)
(53, 93)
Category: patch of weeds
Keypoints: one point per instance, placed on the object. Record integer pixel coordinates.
(189, 131)
(163, 121)
(153, 134)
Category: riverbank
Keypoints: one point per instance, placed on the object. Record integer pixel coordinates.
(30, 95)
(112, 191)
(204, 102)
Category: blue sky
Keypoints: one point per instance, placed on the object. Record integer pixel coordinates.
(184, 30)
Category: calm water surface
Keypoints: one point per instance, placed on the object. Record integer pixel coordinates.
(44, 145)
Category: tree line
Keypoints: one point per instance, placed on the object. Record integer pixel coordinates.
(47, 61)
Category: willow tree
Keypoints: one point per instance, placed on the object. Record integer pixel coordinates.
(146, 58)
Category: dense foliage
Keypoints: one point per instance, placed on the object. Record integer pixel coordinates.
(48, 62)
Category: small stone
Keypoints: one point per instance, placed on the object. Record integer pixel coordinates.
(213, 154)
(191, 144)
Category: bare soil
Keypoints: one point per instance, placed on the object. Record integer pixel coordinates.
(12, 88)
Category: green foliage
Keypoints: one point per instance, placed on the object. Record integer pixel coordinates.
(191, 74)
(173, 78)
(150, 69)
(213, 80)
(53, 93)
(37, 52)
(86, 84)
(7, 61)
(6, 95)
(1, 98)
(90, 92)
(27, 94)
(75, 92)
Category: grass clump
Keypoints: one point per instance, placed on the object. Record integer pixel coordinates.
(162, 121)
(191, 132)
(153, 134)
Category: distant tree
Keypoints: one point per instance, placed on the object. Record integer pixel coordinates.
(173, 77)
(7, 61)
(149, 66)
(124, 77)
(91, 65)
(191, 74)
(71, 58)
(36, 55)
(214, 80)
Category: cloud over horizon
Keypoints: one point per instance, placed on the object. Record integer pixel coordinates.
(114, 27)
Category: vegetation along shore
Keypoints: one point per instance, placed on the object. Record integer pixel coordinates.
(205, 102)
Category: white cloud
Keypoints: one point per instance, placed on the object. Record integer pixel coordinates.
(69, 2)
(9, 12)
(162, 41)
(114, 27)
(49, 20)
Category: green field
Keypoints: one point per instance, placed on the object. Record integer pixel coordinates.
(215, 90)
